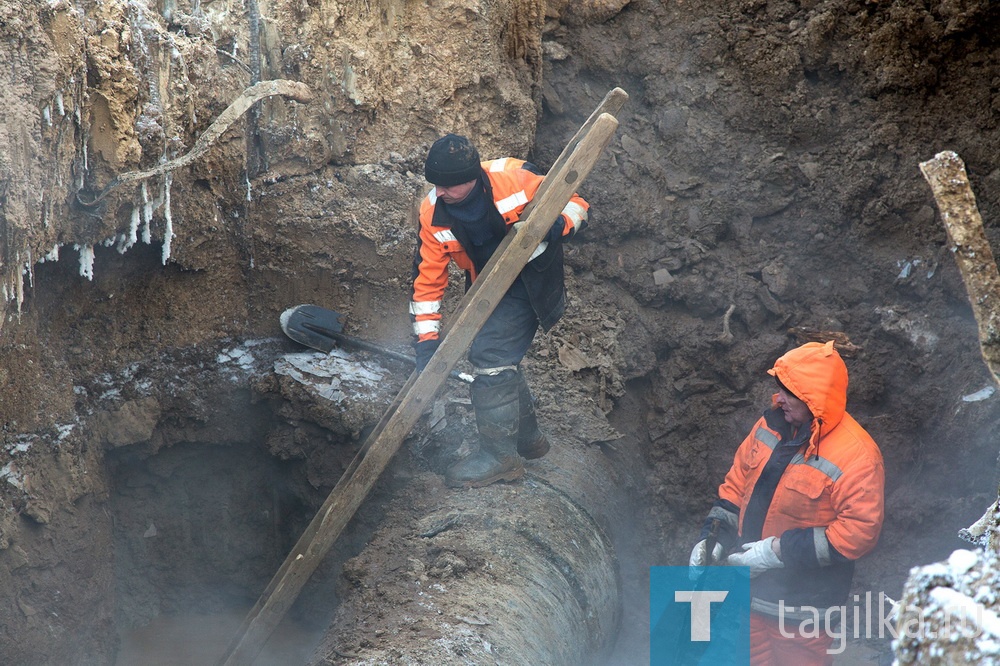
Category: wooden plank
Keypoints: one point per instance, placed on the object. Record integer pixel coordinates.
(949, 182)
(414, 398)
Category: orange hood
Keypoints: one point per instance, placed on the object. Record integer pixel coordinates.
(817, 376)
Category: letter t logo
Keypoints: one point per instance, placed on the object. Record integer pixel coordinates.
(701, 607)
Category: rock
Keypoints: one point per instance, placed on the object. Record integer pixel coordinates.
(661, 277)
(133, 423)
(810, 170)
(775, 277)
(573, 359)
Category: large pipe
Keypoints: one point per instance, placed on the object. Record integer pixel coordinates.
(520, 574)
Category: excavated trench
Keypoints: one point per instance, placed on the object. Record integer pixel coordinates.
(196, 528)
(211, 459)
(549, 570)
(197, 525)
(201, 521)
(201, 465)
(216, 456)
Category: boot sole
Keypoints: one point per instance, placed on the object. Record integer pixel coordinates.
(512, 475)
(535, 452)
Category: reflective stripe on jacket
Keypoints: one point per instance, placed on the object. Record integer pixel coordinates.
(512, 185)
(828, 505)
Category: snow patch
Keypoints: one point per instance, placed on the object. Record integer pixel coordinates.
(981, 394)
(12, 475)
(335, 376)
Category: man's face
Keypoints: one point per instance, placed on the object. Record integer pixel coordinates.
(454, 193)
(796, 411)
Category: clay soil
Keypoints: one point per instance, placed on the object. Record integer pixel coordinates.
(763, 188)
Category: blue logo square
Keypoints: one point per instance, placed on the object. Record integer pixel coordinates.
(699, 615)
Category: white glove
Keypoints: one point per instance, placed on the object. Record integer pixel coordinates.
(758, 555)
(541, 246)
(699, 554)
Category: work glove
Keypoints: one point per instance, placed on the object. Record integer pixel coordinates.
(699, 554)
(425, 349)
(758, 555)
(554, 233)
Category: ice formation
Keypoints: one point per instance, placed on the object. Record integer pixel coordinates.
(86, 260)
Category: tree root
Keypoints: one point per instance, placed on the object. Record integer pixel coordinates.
(295, 90)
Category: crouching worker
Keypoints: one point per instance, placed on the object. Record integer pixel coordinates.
(463, 219)
(802, 501)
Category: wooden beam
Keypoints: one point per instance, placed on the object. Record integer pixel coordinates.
(949, 182)
(571, 168)
(960, 215)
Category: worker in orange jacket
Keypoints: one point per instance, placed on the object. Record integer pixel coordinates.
(473, 205)
(801, 503)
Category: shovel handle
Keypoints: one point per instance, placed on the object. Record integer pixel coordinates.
(379, 349)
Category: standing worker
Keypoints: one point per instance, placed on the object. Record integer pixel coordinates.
(804, 499)
(464, 218)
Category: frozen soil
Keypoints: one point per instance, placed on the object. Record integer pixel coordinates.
(762, 188)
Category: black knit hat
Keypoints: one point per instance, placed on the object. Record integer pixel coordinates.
(452, 160)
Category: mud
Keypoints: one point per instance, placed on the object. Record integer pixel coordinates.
(764, 178)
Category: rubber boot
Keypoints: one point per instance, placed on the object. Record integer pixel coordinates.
(531, 443)
(495, 401)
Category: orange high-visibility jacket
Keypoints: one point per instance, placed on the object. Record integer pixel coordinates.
(833, 487)
(513, 186)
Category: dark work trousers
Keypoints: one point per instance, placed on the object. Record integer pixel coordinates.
(507, 334)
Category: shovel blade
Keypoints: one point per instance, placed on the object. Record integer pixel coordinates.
(312, 326)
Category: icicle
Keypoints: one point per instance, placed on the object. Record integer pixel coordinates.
(127, 242)
(29, 270)
(59, 104)
(47, 115)
(168, 232)
(86, 260)
(147, 214)
(247, 177)
(53, 254)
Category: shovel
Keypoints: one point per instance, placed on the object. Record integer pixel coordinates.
(321, 329)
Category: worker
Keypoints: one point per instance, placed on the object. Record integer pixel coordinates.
(801, 503)
(472, 206)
